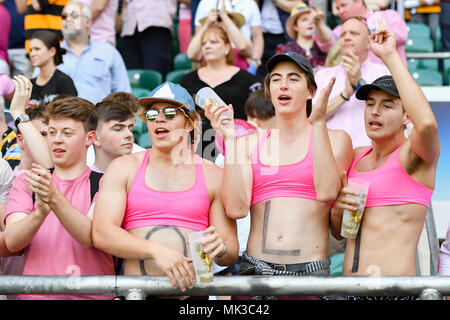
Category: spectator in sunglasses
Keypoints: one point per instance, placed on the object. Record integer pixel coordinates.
(149, 201)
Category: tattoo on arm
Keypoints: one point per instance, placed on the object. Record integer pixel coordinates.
(153, 230)
(265, 227)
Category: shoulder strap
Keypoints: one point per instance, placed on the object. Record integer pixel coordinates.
(94, 179)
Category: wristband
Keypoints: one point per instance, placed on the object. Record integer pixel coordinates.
(345, 98)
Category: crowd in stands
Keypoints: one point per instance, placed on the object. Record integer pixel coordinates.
(329, 82)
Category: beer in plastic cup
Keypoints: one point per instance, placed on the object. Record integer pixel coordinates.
(206, 96)
(202, 261)
(351, 220)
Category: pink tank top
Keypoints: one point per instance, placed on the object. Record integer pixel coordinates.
(391, 184)
(148, 207)
(293, 180)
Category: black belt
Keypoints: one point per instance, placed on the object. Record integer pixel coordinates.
(294, 267)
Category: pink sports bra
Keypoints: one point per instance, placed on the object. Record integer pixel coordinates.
(292, 180)
(390, 184)
(148, 207)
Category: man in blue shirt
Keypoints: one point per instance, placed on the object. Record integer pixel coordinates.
(96, 68)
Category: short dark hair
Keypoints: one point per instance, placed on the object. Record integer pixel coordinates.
(75, 108)
(112, 110)
(258, 106)
(125, 98)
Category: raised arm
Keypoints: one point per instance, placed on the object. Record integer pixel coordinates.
(424, 138)
(194, 49)
(36, 143)
(241, 43)
(323, 34)
(238, 176)
(329, 161)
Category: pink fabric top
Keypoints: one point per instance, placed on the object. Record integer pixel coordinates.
(53, 251)
(103, 28)
(4, 32)
(239, 61)
(148, 207)
(6, 87)
(393, 21)
(350, 115)
(142, 14)
(293, 180)
(390, 184)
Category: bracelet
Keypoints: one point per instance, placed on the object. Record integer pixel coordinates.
(345, 98)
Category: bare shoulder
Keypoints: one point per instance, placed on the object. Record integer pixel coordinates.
(125, 165)
(213, 173)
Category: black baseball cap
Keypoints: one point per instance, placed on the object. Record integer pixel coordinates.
(298, 59)
(384, 83)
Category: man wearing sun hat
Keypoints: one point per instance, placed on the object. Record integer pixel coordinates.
(151, 200)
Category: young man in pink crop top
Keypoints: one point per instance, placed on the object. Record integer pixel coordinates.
(54, 226)
(287, 176)
(149, 201)
(401, 170)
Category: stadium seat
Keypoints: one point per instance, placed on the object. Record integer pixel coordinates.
(429, 64)
(144, 140)
(176, 75)
(337, 260)
(419, 44)
(437, 39)
(181, 62)
(418, 29)
(427, 77)
(140, 126)
(447, 71)
(144, 78)
(140, 92)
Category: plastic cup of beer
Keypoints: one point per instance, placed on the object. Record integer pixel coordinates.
(202, 261)
(351, 220)
(207, 97)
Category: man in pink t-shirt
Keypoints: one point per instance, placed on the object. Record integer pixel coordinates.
(54, 226)
(325, 37)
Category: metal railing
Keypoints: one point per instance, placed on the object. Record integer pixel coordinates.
(137, 287)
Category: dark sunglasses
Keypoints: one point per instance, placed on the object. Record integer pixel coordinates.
(169, 113)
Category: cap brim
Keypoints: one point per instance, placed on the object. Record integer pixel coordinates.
(280, 58)
(147, 102)
(364, 91)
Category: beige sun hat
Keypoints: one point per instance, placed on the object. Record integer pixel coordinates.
(237, 17)
(299, 9)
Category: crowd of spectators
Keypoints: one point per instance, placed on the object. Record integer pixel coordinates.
(65, 89)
